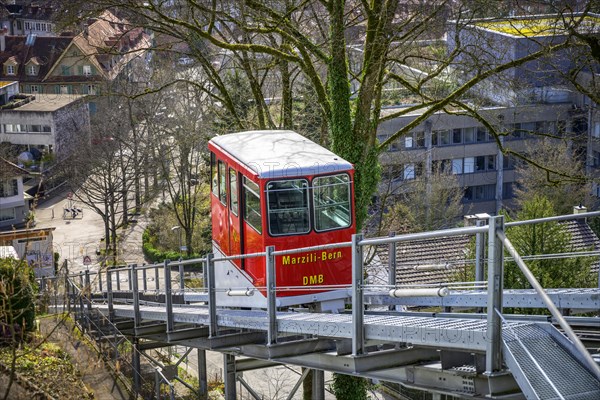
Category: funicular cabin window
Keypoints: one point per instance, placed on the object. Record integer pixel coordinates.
(215, 174)
(222, 182)
(288, 207)
(233, 192)
(252, 213)
(331, 197)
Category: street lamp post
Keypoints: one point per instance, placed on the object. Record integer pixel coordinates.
(178, 228)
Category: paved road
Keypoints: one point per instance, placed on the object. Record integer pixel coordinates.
(81, 236)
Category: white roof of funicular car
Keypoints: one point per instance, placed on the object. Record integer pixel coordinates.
(280, 154)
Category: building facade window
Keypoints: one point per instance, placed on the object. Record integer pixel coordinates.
(457, 166)
(10, 70)
(7, 214)
(409, 171)
(469, 165)
(485, 163)
(469, 135)
(87, 70)
(412, 171)
(456, 136)
(596, 130)
(596, 157)
(9, 188)
(414, 140)
(480, 193)
(34, 89)
(482, 134)
(31, 70)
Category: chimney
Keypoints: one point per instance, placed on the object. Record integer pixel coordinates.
(579, 209)
(3, 33)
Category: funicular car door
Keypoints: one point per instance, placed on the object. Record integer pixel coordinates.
(235, 232)
(219, 210)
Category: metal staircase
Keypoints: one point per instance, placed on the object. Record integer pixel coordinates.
(546, 365)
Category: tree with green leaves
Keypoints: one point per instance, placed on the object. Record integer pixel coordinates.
(545, 238)
(17, 308)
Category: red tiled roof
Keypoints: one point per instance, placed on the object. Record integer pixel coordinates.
(45, 51)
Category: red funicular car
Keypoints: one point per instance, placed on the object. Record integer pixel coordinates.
(277, 188)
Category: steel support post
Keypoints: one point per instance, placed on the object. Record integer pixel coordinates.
(130, 278)
(392, 265)
(118, 280)
(81, 283)
(67, 293)
(479, 252)
(144, 279)
(493, 358)
(358, 341)
(82, 316)
(392, 261)
(318, 384)
(156, 384)
(88, 291)
(100, 281)
(212, 295)
(202, 376)
(137, 373)
(181, 277)
(271, 295)
(205, 271)
(168, 298)
(156, 278)
(109, 296)
(229, 376)
(136, 296)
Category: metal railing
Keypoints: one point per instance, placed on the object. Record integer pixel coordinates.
(497, 243)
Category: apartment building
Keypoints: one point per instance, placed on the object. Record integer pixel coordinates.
(27, 17)
(535, 100)
(52, 124)
(106, 49)
(463, 147)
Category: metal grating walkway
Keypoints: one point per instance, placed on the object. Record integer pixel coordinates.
(543, 367)
(455, 333)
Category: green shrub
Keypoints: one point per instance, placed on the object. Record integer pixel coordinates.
(17, 295)
(155, 255)
(348, 387)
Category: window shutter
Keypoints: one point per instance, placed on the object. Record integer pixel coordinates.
(80, 68)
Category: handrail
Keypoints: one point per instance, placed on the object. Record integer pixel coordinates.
(469, 230)
(594, 368)
(553, 219)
